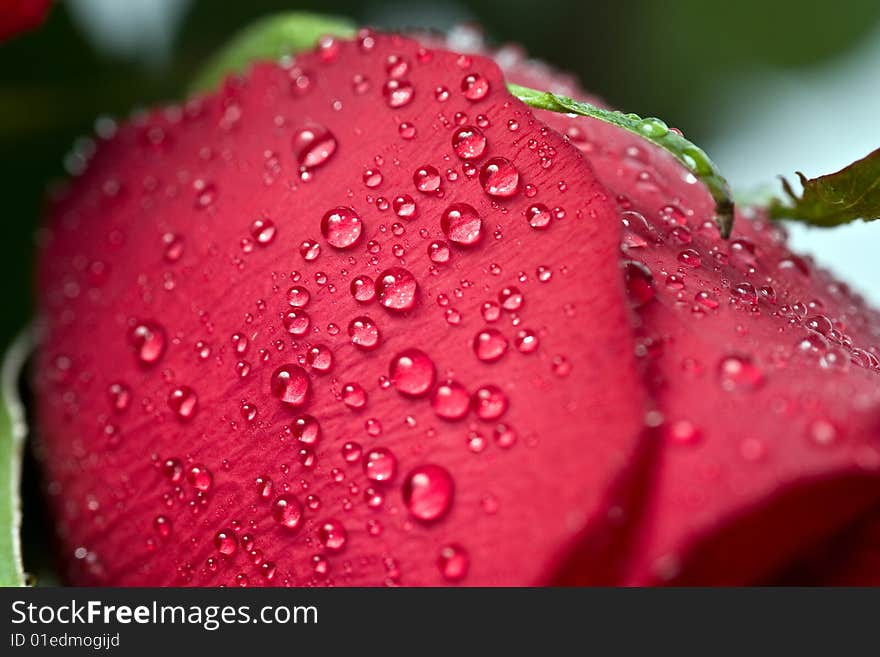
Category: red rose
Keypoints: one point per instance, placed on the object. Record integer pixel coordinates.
(367, 319)
(17, 16)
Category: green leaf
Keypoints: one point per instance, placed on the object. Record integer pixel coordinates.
(837, 198)
(12, 432)
(653, 130)
(270, 38)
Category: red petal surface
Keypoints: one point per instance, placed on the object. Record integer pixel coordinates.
(18, 16)
(171, 336)
(764, 367)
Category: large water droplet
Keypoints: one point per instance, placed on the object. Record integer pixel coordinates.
(450, 401)
(342, 227)
(287, 512)
(739, 373)
(489, 345)
(313, 146)
(461, 224)
(413, 372)
(183, 402)
(474, 86)
(468, 142)
(499, 178)
(398, 93)
(428, 491)
(332, 535)
(396, 289)
(149, 341)
(364, 333)
(453, 562)
(380, 465)
(290, 384)
(427, 179)
(490, 402)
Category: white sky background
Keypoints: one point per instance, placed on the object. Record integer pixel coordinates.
(815, 121)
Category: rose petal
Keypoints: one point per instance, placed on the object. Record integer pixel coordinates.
(168, 334)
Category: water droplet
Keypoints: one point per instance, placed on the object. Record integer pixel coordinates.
(450, 400)
(404, 206)
(332, 535)
(263, 231)
(538, 216)
(461, 224)
(438, 252)
(226, 542)
(427, 179)
(296, 322)
(639, 282)
(398, 93)
(453, 562)
(428, 491)
(149, 341)
(526, 341)
(363, 289)
(372, 178)
(474, 86)
(120, 396)
(822, 432)
(489, 345)
(200, 477)
(354, 396)
(413, 372)
(320, 358)
(510, 298)
(174, 246)
(490, 402)
(342, 227)
(739, 373)
(468, 143)
(380, 465)
(689, 258)
(499, 178)
(298, 296)
(183, 402)
(364, 333)
(309, 250)
(290, 384)
(287, 512)
(313, 146)
(396, 288)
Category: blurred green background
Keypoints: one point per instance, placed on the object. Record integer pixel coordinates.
(676, 60)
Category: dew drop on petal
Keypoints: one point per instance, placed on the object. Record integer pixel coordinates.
(739, 373)
(461, 224)
(450, 401)
(428, 491)
(313, 146)
(396, 288)
(453, 562)
(489, 345)
(499, 178)
(380, 465)
(413, 372)
(342, 227)
(468, 143)
(290, 385)
(287, 512)
(364, 333)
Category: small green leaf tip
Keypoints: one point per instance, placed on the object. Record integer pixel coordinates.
(653, 130)
(271, 37)
(837, 198)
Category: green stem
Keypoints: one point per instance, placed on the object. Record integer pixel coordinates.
(692, 157)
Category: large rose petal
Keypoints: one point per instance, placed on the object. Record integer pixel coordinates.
(172, 335)
(17, 16)
(764, 367)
